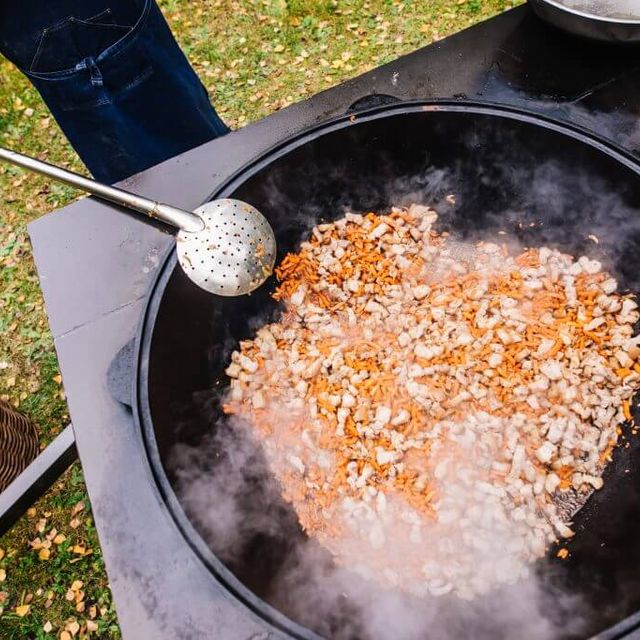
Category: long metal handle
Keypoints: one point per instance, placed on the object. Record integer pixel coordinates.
(171, 215)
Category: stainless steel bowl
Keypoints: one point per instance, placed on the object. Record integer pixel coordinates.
(605, 20)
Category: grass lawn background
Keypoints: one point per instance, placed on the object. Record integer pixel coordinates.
(254, 56)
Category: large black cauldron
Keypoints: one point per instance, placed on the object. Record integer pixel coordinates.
(535, 178)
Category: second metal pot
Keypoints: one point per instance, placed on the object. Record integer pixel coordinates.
(615, 21)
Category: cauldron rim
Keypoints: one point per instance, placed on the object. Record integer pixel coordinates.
(140, 379)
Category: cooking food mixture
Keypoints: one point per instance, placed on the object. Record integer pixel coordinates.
(436, 412)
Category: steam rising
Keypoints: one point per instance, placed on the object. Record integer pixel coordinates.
(226, 487)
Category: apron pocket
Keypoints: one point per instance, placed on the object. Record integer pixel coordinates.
(71, 40)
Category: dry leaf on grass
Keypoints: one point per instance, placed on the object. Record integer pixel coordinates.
(47, 627)
(81, 554)
(92, 626)
(44, 554)
(22, 610)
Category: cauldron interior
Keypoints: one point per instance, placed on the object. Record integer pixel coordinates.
(508, 173)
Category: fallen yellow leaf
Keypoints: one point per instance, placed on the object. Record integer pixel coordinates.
(70, 595)
(3, 575)
(76, 585)
(279, 48)
(79, 549)
(57, 379)
(22, 610)
(59, 539)
(73, 628)
(78, 508)
(75, 523)
(92, 626)
(47, 627)
(65, 635)
(1, 553)
(44, 554)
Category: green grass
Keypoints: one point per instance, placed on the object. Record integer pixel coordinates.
(44, 583)
(255, 57)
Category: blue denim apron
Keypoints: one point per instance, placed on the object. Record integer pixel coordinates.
(113, 77)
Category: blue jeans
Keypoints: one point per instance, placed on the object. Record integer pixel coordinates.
(113, 77)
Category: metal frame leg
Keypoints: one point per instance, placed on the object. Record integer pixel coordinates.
(34, 481)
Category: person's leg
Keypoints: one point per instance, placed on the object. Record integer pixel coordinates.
(114, 78)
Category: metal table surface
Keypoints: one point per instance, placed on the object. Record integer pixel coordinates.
(95, 266)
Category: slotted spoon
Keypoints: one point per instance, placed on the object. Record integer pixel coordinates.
(226, 247)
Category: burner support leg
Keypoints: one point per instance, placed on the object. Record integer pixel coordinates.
(39, 476)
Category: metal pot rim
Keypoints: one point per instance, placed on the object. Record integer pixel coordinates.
(590, 16)
(141, 409)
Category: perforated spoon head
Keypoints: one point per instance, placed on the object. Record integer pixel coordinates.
(233, 253)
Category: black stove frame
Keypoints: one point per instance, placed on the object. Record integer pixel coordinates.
(513, 59)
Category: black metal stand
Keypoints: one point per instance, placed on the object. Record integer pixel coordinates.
(37, 478)
(161, 588)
